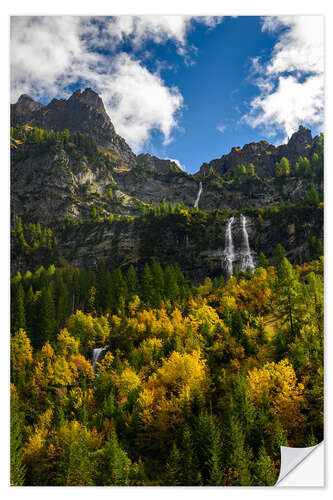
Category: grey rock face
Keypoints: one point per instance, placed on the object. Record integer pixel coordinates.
(264, 155)
(83, 112)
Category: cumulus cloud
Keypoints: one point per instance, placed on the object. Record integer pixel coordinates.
(159, 29)
(291, 83)
(138, 29)
(138, 101)
(300, 47)
(49, 54)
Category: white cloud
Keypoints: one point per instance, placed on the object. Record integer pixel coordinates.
(177, 162)
(300, 47)
(46, 54)
(292, 103)
(50, 53)
(159, 29)
(156, 28)
(221, 128)
(291, 83)
(138, 101)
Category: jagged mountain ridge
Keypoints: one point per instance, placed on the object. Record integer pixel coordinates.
(85, 112)
(52, 183)
(264, 155)
(143, 178)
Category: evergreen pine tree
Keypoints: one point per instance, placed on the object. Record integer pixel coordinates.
(238, 456)
(18, 310)
(263, 261)
(80, 469)
(208, 447)
(17, 468)
(279, 439)
(47, 315)
(170, 280)
(147, 284)
(132, 281)
(20, 234)
(114, 466)
(264, 473)
(173, 467)
(279, 253)
(287, 294)
(190, 475)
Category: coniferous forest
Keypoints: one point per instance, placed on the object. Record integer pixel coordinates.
(197, 386)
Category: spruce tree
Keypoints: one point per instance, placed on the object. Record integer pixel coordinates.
(47, 315)
(113, 464)
(132, 281)
(263, 471)
(17, 467)
(190, 475)
(158, 284)
(170, 280)
(173, 467)
(236, 454)
(119, 289)
(80, 468)
(279, 254)
(287, 289)
(263, 261)
(279, 439)
(208, 447)
(147, 284)
(18, 310)
(20, 234)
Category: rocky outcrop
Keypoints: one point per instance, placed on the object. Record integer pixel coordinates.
(263, 155)
(25, 110)
(83, 112)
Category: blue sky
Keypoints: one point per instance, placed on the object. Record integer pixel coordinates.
(179, 87)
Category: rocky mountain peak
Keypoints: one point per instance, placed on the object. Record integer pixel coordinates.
(301, 140)
(88, 97)
(25, 99)
(24, 110)
(82, 112)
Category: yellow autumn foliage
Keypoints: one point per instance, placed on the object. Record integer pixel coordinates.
(20, 351)
(67, 344)
(276, 383)
(127, 381)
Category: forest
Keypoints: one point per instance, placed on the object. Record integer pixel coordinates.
(197, 385)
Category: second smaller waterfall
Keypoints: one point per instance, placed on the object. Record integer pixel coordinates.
(245, 254)
(96, 354)
(198, 195)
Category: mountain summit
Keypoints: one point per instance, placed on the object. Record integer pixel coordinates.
(82, 112)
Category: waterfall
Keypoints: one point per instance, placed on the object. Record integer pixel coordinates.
(198, 195)
(96, 354)
(229, 253)
(245, 254)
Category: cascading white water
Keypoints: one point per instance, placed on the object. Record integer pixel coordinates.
(245, 254)
(96, 354)
(229, 252)
(198, 195)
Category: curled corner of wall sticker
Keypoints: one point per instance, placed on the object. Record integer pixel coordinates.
(302, 467)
